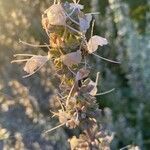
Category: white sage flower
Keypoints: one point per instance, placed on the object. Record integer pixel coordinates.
(73, 58)
(94, 42)
(56, 15)
(33, 64)
(84, 21)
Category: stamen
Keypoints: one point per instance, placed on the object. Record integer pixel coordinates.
(126, 147)
(62, 107)
(31, 55)
(67, 101)
(103, 58)
(19, 60)
(54, 128)
(54, 114)
(93, 13)
(97, 78)
(32, 45)
(104, 93)
(62, 97)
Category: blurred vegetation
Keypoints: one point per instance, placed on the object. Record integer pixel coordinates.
(25, 103)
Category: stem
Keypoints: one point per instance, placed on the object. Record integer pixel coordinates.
(74, 30)
(71, 18)
(67, 101)
(32, 45)
(92, 30)
(104, 93)
(97, 78)
(128, 146)
(24, 55)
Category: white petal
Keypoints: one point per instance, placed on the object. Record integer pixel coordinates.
(94, 42)
(73, 58)
(94, 90)
(56, 15)
(34, 62)
(84, 21)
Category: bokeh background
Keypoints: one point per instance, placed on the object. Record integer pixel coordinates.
(25, 103)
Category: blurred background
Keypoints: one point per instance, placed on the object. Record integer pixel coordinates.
(25, 103)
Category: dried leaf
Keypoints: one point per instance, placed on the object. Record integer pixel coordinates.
(34, 63)
(94, 42)
(56, 15)
(73, 58)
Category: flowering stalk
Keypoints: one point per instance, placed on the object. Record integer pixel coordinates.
(66, 26)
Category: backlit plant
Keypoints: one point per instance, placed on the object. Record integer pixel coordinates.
(69, 47)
